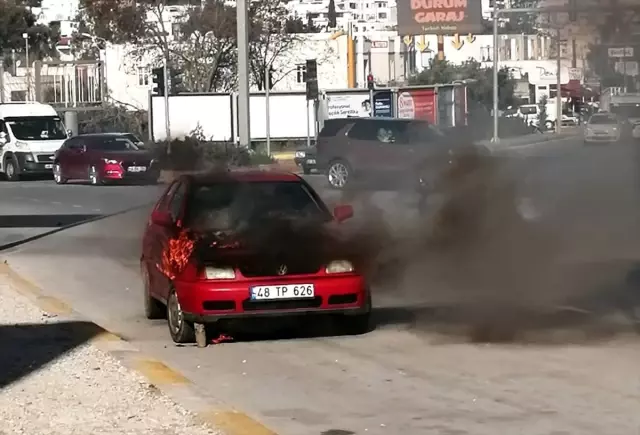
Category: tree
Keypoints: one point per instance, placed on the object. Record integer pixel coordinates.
(15, 20)
(268, 39)
(480, 87)
(526, 23)
(332, 15)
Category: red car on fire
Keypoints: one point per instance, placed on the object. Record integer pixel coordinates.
(247, 243)
(103, 157)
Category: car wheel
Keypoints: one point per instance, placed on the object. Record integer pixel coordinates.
(306, 170)
(153, 308)
(94, 177)
(356, 324)
(549, 125)
(338, 174)
(12, 169)
(181, 331)
(57, 174)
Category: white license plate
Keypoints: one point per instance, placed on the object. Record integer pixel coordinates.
(137, 168)
(48, 166)
(289, 291)
(311, 161)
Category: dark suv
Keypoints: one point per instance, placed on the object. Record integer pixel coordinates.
(390, 151)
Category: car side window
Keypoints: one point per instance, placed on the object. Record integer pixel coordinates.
(363, 130)
(176, 202)
(73, 143)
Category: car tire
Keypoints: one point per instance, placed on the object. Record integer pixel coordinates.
(94, 176)
(57, 174)
(180, 330)
(153, 308)
(356, 324)
(306, 170)
(549, 125)
(12, 169)
(338, 174)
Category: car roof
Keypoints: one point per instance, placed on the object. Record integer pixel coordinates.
(102, 134)
(243, 176)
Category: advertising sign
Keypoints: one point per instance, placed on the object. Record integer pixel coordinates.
(345, 105)
(418, 104)
(444, 17)
(383, 104)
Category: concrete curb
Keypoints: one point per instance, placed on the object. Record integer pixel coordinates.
(170, 382)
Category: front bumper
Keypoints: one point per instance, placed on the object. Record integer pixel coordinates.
(117, 173)
(308, 161)
(210, 301)
(31, 163)
(601, 138)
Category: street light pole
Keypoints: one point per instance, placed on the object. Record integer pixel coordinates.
(26, 50)
(496, 52)
(242, 20)
(267, 78)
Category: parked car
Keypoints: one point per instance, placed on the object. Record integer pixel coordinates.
(603, 127)
(103, 157)
(397, 153)
(206, 256)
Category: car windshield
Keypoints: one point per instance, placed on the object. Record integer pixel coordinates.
(603, 120)
(37, 128)
(112, 144)
(227, 206)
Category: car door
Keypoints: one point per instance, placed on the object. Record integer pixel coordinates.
(364, 151)
(157, 238)
(74, 158)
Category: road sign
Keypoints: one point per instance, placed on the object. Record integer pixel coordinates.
(621, 52)
(575, 73)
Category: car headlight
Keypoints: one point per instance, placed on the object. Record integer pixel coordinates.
(29, 158)
(300, 154)
(219, 273)
(339, 266)
(20, 144)
(110, 161)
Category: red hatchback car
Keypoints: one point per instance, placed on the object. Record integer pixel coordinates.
(101, 158)
(212, 250)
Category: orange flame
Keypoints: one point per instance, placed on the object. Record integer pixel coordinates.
(176, 255)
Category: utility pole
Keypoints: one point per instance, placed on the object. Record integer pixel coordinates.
(558, 84)
(167, 122)
(496, 137)
(267, 80)
(242, 19)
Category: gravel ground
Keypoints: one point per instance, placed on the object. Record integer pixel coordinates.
(53, 382)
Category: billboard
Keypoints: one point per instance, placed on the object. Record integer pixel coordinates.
(444, 17)
(383, 104)
(418, 104)
(345, 105)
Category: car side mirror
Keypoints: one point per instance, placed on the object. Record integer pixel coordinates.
(162, 219)
(69, 133)
(342, 212)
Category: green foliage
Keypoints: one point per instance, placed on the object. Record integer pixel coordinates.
(114, 119)
(480, 91)
(16, 19)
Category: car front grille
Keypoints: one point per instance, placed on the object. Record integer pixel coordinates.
(257, 268)
(44, 158)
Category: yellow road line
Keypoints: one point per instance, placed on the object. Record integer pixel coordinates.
(155, 371)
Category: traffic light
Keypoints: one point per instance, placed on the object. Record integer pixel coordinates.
(157, 76)
(175, 81)
(312, 79)
(370, 83)
(269, 79)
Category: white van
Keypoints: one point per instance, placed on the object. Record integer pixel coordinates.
(30, 134)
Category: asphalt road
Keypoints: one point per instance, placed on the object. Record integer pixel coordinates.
(409, 375)
(32, 207)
